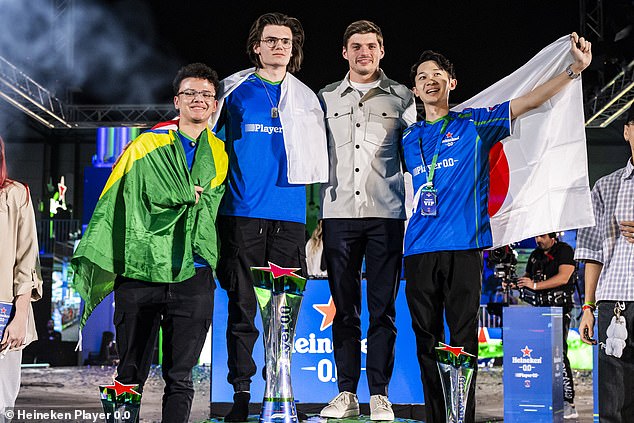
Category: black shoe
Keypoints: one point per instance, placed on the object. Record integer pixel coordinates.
(240, 409)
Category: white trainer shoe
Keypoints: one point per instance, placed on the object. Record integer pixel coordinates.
(570, 412)
(346, 404)
(380, 408)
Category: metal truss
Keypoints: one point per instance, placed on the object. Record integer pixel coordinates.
(613, 99)
(25, 94)
(30, 97)
(63, 31)
(136, 115)
(591, 19)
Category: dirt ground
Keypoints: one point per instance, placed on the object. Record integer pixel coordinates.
(70, 389)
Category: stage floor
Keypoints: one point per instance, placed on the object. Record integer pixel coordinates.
(316, 419)
(75, 388)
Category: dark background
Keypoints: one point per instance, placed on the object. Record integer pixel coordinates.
(128, 51)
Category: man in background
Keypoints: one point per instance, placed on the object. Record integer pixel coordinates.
(550, 280)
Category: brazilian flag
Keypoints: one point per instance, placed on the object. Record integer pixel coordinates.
(147, 224)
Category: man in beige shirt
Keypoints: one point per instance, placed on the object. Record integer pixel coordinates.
(363, 214)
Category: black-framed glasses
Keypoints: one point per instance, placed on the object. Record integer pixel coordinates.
(191, 94)
(271, 42)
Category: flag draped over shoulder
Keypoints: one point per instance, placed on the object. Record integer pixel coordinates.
(147, 224)
(539, 175)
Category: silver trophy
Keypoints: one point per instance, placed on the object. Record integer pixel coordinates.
(279, 294)
(456, 369)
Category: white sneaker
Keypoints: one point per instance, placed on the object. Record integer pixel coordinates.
(343, 405)
(570, 412)
(381, 408)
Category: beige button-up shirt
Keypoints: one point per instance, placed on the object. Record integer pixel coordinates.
(19, 257)
(364, 138)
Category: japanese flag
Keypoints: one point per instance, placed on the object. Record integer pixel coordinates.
(539, 175)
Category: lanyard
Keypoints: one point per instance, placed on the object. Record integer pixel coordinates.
(430, 172)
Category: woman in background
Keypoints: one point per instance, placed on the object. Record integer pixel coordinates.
(20, 281)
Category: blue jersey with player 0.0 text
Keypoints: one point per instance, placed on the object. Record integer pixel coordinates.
(257, 184)
(460, 180)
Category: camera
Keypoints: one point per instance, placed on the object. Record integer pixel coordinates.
(504, 254)
(504, 260)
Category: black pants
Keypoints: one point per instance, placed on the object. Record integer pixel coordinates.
(448, 281)
(569, 386)
(247, 242)
(184, 311)
(616, 375)
(346, 241)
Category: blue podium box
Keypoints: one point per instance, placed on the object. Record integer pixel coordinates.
(533, 364)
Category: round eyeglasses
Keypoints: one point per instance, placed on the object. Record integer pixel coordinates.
(271, 42)
(191, 94)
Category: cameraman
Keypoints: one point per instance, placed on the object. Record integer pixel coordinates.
(549, 281)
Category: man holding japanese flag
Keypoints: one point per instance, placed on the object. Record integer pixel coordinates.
(448, 157)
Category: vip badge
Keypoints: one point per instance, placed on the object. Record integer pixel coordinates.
(428, 202)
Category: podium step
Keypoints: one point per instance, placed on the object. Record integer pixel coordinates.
(254, 418)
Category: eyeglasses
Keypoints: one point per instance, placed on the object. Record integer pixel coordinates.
(191, 94)
(271, 42)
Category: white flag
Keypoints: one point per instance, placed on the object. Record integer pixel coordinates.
(539, 175)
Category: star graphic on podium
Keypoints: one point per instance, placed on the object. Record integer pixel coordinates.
(328, 312)
(3, 310)
(526, 351)
(457, 351)
(278, 271)
(120, 388)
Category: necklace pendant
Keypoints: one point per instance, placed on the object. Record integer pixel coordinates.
(274, 112)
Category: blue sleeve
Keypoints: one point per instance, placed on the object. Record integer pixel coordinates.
(493, 124)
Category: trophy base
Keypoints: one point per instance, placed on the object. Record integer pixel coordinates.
(120, 413)
(278, 410)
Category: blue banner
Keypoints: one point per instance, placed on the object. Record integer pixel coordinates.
(314, 374)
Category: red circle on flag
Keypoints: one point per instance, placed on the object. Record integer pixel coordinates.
(498, 177)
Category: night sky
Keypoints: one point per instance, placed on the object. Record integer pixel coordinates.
(128, 51)
(485, 39)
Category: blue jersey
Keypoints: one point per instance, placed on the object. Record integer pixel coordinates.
(189, 146)
(257, 184)
(461, 178)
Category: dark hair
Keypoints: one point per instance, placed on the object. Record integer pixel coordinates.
(4, 178)
(440, 60)
(553, 235)
(362, 27)
(255, 35)
(195, 70)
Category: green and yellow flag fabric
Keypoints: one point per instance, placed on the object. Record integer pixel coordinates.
(147, 224)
